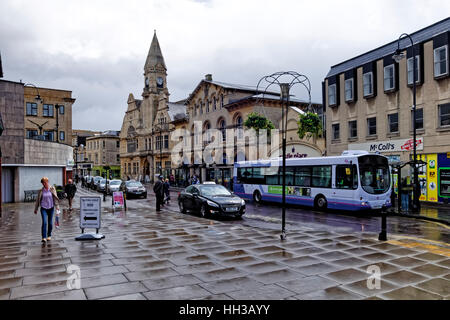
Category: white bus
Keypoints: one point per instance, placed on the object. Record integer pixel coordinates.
(354, 181)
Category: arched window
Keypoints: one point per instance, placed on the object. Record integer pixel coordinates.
(201, 107)
(222, 128)
(207, 106)
(240, 126)
(221, 101)
(207, 132)
(214, 103)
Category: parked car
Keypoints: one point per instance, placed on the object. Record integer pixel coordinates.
(101, 186)
(133, 188)
(210, 199)
(113, 186)
(94, 182)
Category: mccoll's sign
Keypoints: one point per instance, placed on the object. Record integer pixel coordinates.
(401, 145)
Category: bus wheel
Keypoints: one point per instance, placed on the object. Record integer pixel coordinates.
(321, 202)
(257, 196)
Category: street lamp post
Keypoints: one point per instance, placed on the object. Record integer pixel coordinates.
(398, 56)
(294, 78)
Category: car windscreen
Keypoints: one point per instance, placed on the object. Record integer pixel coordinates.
(374, 174)
(134, 184)
(115, 182)
(102, 181)
(214, 190)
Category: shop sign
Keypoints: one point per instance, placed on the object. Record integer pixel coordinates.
(403, 145)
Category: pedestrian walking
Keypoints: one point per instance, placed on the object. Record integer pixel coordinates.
(47, 200)
(83, 182)
(70, 189)
(405, 195)
(167, 191)
(158, 189)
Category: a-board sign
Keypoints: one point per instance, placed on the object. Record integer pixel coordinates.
(90, 208)
(118, 200)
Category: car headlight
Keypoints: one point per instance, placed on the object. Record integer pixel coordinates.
(212, 204)
(242, 202)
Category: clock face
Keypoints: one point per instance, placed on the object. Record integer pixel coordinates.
(159, 81)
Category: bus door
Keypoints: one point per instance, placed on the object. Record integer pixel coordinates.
(345, 182)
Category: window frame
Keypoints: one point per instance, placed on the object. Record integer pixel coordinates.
(388, 67)
(353, 171)
(61, 109)
(333, 131)
(334, 95)
(446, 64)
(412, 119)
(350, 129)
(352, 89)
(390, 115)
(365, 85)
(439, 115)
(62, 136)
(408, 71)
(33, 107)
(368, 127)
(49, 108)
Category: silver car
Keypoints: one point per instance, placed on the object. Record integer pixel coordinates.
(113, 186)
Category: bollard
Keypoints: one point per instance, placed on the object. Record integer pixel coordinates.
(383, 234)
(125, 201)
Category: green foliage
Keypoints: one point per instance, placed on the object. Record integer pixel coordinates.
(309, 125)
(258, 122)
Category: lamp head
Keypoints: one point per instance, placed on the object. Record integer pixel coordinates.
(38, 98)
(398, 55)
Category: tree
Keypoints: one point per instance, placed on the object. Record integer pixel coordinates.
(309, 126)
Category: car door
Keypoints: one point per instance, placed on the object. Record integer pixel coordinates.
(187, 198)
(196, 201)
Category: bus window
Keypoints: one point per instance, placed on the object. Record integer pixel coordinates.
(272, 175)
(346, 177)
(257, 176)
(303, 176)
(289, 176)
(244, 175)
(321, 177)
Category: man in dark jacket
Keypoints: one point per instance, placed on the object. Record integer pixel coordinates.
(70, 190)
(158, 189)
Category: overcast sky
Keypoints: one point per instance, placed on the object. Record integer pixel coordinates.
(97, 48)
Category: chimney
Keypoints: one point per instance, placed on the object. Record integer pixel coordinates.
(208, 77)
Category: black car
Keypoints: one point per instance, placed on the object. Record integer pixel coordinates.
(210, 199)
(133, 188)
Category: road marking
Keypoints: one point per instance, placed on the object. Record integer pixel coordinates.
(436, 249)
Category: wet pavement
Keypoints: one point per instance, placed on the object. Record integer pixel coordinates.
(146, 255)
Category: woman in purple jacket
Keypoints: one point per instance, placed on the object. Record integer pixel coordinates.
(47, 200)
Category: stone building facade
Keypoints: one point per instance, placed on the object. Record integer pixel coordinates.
(103, 151)
(48, 113)
(369, 106)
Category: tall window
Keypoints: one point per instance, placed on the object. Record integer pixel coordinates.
(335, 131)
(117, 157)
(61, 109)
(222, 128)
(201, 108)
(410, 66)
(444, 115)
(393, 122)
(371, 126)
(419, 119)
(104, 144)
(208, 133)
(352, 129)
(368, 84)
(207, 106)
(117, 144)
(389, 77)
(31, 134)
(349, 90)
(240, 127)
(62, 135)
(441, 61)
(221, 101)
(49, 135)
(166, 142)
(214, 103)
(195, 110)
(332, 95)
(32, 109)
(48, 110)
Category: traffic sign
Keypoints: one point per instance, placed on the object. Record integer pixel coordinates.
(90, 210)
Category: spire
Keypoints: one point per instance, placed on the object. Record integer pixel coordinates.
(154, 55)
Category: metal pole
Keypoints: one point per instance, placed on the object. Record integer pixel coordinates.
(285, 96)
(416, 206)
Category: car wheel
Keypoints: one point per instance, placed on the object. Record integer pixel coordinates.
(257, 196)
(203, 212)
(181, 206)
(321, 202)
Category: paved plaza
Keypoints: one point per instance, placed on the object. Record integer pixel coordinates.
(147, 255)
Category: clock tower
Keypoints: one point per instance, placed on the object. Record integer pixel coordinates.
(155, 77)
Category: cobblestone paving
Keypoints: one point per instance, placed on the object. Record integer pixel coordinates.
(173, 256)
